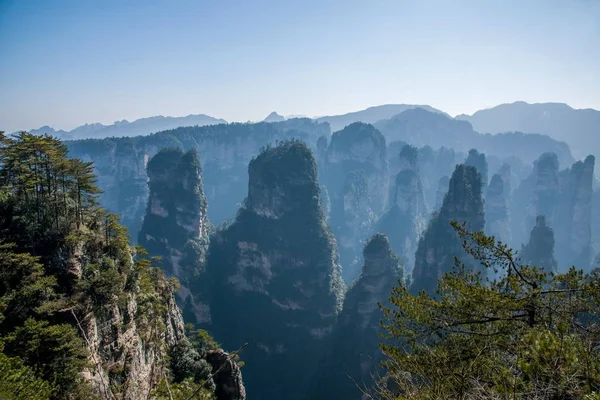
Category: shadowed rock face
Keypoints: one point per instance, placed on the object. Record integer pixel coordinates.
(354, 351)
(440, 243)
(356, 176)
(496, 211)
(574, 216)
(539, 251)
(176, 225)
(275, 281)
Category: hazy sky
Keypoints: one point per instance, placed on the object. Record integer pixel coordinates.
(64, 63)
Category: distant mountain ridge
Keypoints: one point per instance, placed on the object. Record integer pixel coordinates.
(142, 126)
(372, 115)
(580, 128)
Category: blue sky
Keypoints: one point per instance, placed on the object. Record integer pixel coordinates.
(64, 63)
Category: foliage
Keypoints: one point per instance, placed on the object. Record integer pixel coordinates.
(181, 391)
(61, 255)
(529, 334)
(19, 382)
(56, 350)
(186, 362)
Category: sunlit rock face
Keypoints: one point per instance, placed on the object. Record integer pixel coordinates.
(440, 244)
(406, 219)
(176, 226)
(573, 219)
(496, 210)
(356, 176)
(275, 279)
(539, 250)
(353, 350)
(224, 152)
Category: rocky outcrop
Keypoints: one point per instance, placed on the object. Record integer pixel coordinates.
(176, 226)
(539, 251)
(356, 176)
(574, 216)
(496, 210)
(131, 346)
(353, 357)
(227, 376)
(224, 151)
(276, 283)
(477, 160)
(406, 219)
(440, 243)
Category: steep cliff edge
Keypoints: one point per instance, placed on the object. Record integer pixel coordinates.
(89, 314)
(275, 278)
(440, 243)
(353, 357)
(176, 226)
(356, 176)
(224, 151)
(574, 216)
(406, 219)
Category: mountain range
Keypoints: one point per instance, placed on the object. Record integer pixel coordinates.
(579, 128)
(142, 126)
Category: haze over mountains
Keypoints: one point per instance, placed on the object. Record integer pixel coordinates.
(579, 128)
(142, 126)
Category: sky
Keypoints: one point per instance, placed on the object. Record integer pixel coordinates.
(64, 63)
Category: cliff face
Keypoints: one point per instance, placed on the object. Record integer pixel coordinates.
(353, 357)
(176, 225)
(574, 216)
(405, 221)
(477, 160)
(496, 210)
(131, 345)
(356, 176)
(225, 150)
(276, 282)
(440, 243)
(539, 251)
(87, 312)
(547, 189)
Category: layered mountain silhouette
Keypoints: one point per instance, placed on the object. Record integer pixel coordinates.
(579, 128)
(371, 115)
(142, 126)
